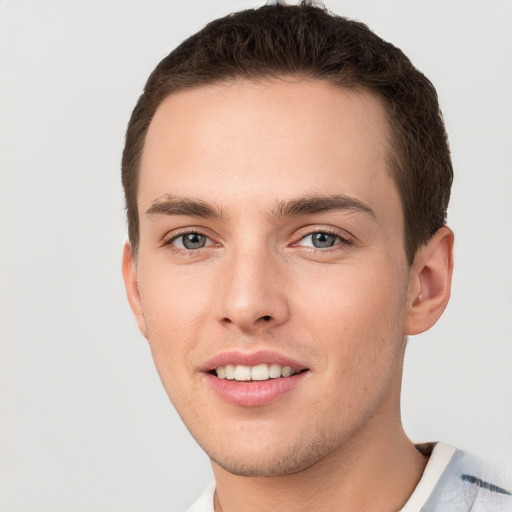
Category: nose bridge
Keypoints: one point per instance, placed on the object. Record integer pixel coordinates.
(251, 296)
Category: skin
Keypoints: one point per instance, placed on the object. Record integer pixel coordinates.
(335, 441)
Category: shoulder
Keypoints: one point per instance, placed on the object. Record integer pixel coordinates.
(470, 484)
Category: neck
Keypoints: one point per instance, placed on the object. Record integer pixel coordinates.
(352, 480)
(376, 470)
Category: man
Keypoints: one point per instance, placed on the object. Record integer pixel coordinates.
(287, 177)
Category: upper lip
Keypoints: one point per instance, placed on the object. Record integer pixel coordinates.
(238, 357)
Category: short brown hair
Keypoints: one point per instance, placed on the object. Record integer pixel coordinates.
(308, 41)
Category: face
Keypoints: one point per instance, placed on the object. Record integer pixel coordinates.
(271, 276)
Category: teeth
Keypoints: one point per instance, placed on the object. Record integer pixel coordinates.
(241, 372)
(286, 371)
(274, 371)
(230, 371)
(259, 372)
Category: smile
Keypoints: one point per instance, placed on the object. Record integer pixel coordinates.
(253, 379)
(259, 372)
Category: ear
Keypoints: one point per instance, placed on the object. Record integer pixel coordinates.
(430, 282)
(132, 288)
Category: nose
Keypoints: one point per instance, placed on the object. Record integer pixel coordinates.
(251, 294)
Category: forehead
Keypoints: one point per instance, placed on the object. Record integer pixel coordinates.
(267, 140)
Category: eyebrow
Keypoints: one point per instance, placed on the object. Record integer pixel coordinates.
(312, 205)
(309, 205)
(171, 205)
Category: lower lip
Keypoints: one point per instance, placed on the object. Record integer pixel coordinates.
(253, 393)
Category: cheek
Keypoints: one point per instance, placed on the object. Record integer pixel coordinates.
(172, 297)
(351, 294)
(356, 322)
(175, 306)
(357, 313)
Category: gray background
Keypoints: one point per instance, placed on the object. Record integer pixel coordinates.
(85, 424)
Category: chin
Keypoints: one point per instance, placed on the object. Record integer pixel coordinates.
(273, 461)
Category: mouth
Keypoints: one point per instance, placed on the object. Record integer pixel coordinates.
(254, 379)
(257, 373)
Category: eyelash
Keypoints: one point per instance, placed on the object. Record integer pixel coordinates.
(168, 241)
(343, 239)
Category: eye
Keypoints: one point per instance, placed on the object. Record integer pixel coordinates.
(190, 241)
(321, 240)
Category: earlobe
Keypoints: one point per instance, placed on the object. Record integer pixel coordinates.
(430, 282)
(132, 288)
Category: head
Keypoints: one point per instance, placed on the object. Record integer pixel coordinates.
(286, 176)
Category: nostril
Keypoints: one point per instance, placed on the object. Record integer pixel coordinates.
(266, 318)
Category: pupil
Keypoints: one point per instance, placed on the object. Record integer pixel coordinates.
(194, 241)
(322, 240)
